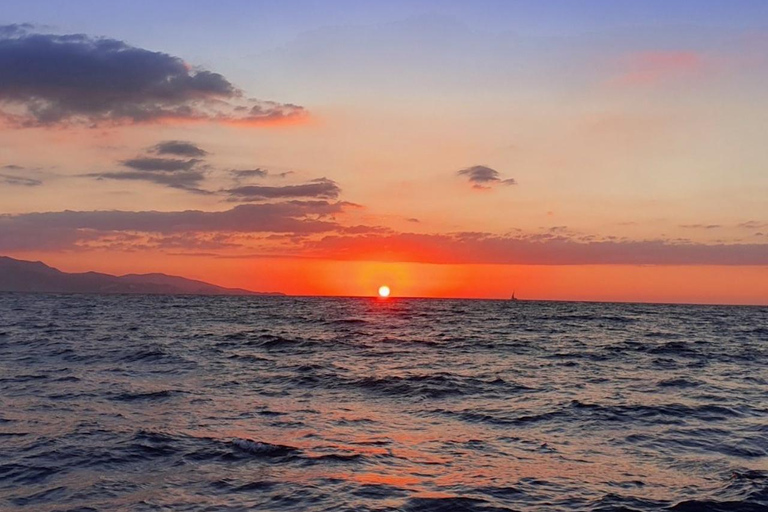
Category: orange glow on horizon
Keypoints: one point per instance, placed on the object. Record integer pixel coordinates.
(294, 276)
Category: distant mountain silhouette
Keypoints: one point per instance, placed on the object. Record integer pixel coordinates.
(35, 276)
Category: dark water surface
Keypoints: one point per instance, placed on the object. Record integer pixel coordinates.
(309, 404)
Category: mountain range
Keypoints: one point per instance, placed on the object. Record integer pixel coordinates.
(35, 276)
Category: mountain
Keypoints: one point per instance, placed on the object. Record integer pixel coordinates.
(35, 276)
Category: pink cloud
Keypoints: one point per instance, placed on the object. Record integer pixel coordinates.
(652, 68)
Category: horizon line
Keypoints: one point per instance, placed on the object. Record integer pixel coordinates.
(282, 295)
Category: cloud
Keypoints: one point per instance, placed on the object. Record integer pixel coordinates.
(753, 224)
(16, 180)
(52, 79)
(321, 188)
(243, 174)
(10, 179)
(185, 174)
(308, 229)
(15, 29)
(67, 229)
(250, 173)
(189, 174)
(186, 180)
(178, 148)
(701, 226)
(160, 164)
(290, 216)
(652, 68)
(482, 177)
(537, 249)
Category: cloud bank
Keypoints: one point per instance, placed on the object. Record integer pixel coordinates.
(310, 229)
(64, 230)
(537, 249)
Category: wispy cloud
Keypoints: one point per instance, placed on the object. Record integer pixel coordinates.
(250, 173)
(10, 179)
(186, 180)
(753, 224)
(321, 188)
(701, 226)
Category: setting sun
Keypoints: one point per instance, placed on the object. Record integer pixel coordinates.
(384, 291)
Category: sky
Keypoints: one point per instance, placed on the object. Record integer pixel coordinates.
(566, 150)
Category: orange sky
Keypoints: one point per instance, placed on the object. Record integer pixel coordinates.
(646, 283)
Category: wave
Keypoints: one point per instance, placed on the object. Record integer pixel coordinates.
(451, 504)
(251, 404)
(434, 385)
(147, 395)
(666, 414)
(264, 449)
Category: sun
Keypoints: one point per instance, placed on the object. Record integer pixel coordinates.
(384, 291)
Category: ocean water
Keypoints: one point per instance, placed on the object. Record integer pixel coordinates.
(315, 404)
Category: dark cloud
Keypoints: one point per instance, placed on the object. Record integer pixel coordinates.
(185, 174)
(244, 174)
(189, 174)
(151, 164)
(59, 230)
(169, 172)
(413, 219)
(178, 148)
(185, 180)
(484, 177)
(12, 167)
(322, 188)
(250, 173)
(10, 179)
(51, 79)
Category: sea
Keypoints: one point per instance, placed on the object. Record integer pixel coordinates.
(192, 403)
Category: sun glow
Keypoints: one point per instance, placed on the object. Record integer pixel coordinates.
(384, 292)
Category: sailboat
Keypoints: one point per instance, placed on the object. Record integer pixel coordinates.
(513, 296)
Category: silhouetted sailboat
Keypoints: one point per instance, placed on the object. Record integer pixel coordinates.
(513, 296)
